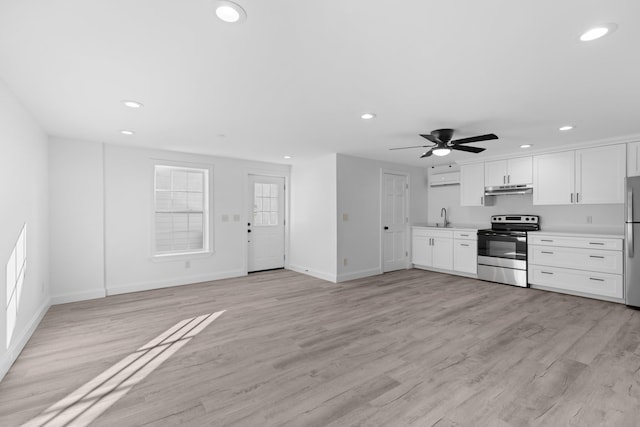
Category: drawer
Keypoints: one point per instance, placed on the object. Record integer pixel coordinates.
(432, 232)
(581, 259)
(575, 242)
(604, 284)
(465, 235)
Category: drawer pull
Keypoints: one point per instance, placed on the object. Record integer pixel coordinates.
(596, 256)
(596, 243)
(463, 244)
(546, 240)
(464, 235)
(596, 279)
(546, 252)
(546, 272)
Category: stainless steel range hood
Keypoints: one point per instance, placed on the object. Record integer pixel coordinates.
(508, 189)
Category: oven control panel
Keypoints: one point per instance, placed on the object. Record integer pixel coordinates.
(515, 219)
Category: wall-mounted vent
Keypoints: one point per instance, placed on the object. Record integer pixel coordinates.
(447, 178)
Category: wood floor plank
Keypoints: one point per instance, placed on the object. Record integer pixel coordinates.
(407, 348)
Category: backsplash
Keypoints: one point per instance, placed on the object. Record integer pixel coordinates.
(570, 218)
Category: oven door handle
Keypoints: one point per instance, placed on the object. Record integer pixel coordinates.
(493, 233)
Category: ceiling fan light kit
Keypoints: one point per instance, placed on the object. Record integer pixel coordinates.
(443, 143)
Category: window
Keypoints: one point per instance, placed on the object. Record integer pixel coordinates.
(16, 267)
(181, 210)
(265, 204)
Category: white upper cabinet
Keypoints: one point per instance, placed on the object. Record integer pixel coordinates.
(589, 176)
(553, 178)
(508, 172)
(633, 159)
(472, 184)
(600, 174)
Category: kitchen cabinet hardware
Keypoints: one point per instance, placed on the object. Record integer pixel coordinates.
(571, 197)
(386, 228)
(547, 252)
(596, 243)
(546, 240)
(596, 256)
(463, 244)
(596, 279)
(577, 197)
(546, 272)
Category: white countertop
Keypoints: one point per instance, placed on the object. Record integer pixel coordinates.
(590, 234)
(454, 227)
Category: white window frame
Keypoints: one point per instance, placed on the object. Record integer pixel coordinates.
(208, 248)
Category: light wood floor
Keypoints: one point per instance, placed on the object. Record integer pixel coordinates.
(406, 348)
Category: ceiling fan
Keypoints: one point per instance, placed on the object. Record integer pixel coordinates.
(443, 143)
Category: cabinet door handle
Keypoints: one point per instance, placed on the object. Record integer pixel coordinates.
(546, 240)
(577, 197)
(546, 272)
(596, 243)
(463, 244)
(596, 256)
(571, 197)
(464, 235)
(481, 200)
(508, 179)
(546, 252)
(504, 179)
(596, 279)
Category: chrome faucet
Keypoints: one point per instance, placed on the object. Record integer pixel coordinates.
(443, 212)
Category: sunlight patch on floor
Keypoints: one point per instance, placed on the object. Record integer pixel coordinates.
(85, 404)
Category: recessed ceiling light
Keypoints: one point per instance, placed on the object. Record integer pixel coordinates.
(564, 128)
(286, 157)
(441, 151)
(230, 12)
(127, 132)
(597, 32)
(368, 116)
(525, 146)
(132, 104)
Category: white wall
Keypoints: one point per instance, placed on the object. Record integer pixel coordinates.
(76, 214)
(313, 218)
(119, 207)
(359, 237)
(605, 218)
(23, 192)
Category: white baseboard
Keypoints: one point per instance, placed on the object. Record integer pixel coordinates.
(359, 274)
(147, 286)
(14, 350)
(78, 296)
(318, 274)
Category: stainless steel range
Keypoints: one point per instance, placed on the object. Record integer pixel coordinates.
(502, 250)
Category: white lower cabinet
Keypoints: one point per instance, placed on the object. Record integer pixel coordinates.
(452, 250)
(585, 265)
(465, 252)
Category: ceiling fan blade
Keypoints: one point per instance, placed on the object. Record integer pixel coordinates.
(430, 138)
(413, 146)
(465, 148)
(427, 154)
(478, 138)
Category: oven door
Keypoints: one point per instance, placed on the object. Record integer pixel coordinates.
(502, 249)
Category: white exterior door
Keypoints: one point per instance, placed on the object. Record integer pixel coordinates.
(265, 231)
(394, 222)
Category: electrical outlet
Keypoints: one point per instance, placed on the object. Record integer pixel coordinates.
(589, 219)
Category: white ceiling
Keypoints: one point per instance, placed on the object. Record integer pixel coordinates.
(296, 75)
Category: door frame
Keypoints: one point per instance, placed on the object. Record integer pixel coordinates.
(407, 206)
(245, 214)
